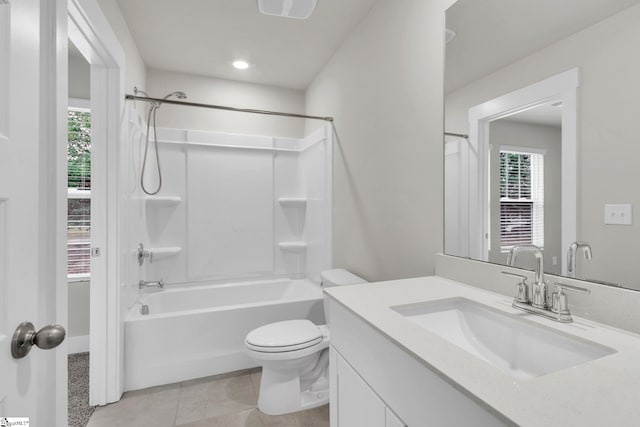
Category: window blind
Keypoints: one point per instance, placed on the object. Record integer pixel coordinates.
(79, 193)
(521, 198)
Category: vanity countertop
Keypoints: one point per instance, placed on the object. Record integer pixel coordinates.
(599, 392)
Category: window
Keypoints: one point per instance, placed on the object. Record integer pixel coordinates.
(521, 198)
(79, 193)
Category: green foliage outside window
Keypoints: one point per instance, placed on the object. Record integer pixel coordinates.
(79, 150)
(79, 208)
(515, 175)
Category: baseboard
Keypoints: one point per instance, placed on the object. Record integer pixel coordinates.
(78, 344)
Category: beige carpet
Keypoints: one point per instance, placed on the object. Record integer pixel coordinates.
(79, 409)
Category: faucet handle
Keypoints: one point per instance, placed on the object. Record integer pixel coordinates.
(142, 254)
(520, 276)
(522, 289)
(572, 288)
(559, 304)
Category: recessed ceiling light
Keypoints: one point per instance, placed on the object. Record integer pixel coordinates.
(240, 64)
(298, 9)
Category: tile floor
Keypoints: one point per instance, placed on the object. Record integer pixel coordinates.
(228, 400)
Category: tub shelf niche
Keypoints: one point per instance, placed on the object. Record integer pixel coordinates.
(162, 201)
(293, 246)
(293, 202)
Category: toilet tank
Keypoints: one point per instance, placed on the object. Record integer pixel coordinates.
(338, 277)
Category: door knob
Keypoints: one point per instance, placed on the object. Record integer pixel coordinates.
(26, 336)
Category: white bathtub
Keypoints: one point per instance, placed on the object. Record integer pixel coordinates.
(197, 331)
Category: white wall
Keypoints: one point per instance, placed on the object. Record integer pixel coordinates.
(78, 308)
(608, 129)
(384, 88)
(228, 93)
(135, 69)
(456, 241)
(79, 78)
(548, 138)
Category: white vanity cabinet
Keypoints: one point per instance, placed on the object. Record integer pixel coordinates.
(376, 383)
(354, 403)
(403, 360)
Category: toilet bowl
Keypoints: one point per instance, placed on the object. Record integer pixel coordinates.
(294, 356)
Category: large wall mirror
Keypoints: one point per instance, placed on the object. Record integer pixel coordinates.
(542, 114)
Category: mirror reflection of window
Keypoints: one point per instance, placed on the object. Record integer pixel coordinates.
(524, 194)
(521, 199)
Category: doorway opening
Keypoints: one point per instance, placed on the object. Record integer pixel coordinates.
(89, 31)
(78, 235)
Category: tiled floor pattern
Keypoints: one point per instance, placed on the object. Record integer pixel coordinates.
(228, 400)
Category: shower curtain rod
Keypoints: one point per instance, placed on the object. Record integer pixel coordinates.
(223, 107)
(459, 135)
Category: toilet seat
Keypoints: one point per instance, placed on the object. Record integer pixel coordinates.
(281, 337)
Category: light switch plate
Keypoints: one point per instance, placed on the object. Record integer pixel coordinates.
(618, 214)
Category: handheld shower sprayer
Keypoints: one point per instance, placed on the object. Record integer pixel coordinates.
(152, 116)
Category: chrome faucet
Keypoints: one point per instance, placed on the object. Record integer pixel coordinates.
(539, 287)
(557, 308)
(571, 256)
(144, 284)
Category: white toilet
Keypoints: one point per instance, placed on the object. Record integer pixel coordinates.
(295, 358)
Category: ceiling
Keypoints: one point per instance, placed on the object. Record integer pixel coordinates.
(546, 114)
(204, 36)
(491, 34)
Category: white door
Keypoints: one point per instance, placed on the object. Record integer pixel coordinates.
(28, 210)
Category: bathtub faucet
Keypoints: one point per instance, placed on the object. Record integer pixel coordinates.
(144, 284)
(142, 254)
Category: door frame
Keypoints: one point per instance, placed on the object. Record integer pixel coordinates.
(562, 87)
(90, 31)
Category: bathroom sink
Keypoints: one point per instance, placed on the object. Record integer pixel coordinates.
(514, 345)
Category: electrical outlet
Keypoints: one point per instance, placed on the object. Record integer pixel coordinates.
(618, 214)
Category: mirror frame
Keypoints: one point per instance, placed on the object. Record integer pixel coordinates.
(562, 87)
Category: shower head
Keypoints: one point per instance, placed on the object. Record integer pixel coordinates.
(178, 94)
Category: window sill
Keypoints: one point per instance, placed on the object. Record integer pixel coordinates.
(507, 250)
(78, 278)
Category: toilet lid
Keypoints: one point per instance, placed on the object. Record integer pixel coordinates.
(284, 336)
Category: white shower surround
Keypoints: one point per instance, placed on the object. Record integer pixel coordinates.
(226, 218)
(198, 331)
